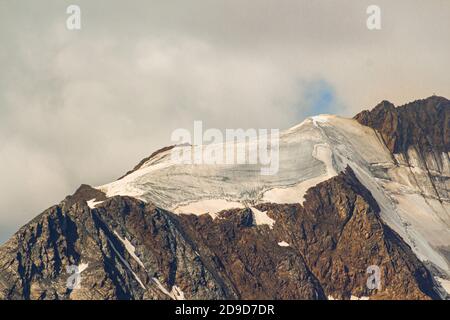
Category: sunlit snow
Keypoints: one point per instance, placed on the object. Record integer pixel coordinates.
(309, 153)
(283, 244)
(130, 248)
(261, 218)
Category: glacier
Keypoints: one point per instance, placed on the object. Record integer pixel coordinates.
(313, 151)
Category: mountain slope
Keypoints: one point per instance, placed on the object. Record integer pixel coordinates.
(411, 189)
(332, 240)
(349, 194)
(418, 135)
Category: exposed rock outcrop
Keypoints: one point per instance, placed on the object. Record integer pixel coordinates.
(422, 124)
(418, 136)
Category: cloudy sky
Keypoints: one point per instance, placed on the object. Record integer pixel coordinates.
(85, 106)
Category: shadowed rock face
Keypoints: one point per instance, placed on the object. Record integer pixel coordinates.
(418, 136)
(423, 124)
(339, 232)
(134, 250)
(33, 263)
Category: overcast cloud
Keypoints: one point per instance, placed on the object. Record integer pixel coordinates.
(85, 106)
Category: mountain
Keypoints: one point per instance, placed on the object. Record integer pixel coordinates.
(349, 195)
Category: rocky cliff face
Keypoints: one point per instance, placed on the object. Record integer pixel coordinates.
(422, 124)
(418, 135)
(129, 249)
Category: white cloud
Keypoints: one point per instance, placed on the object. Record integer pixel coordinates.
(85, 106)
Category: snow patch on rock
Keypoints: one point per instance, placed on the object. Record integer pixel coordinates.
(82, 267)
(359, 298)
(125, 262)
(261, 218)
(175, 293)
(92, 203)
(130, 248)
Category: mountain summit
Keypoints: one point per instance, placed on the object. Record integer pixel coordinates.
(351, 195)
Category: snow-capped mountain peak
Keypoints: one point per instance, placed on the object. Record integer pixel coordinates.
(349, 194)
